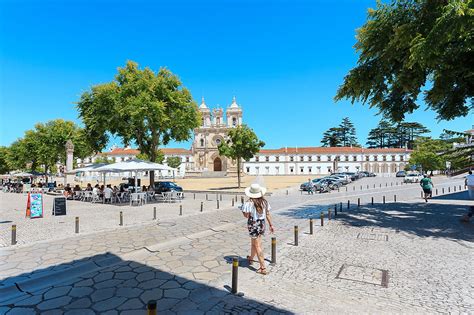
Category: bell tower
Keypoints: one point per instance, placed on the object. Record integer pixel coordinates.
(218, 115)
(205, 113)
(234, 114)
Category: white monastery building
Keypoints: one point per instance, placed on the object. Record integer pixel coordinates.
(203, 159)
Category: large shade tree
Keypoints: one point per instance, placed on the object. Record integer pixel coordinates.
(408, 47)
(343, 135)
(44, 146)
(395, 135)
(242, 144)
(142, 107)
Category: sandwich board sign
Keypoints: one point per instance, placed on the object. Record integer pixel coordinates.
(34, 206)
(59, 206)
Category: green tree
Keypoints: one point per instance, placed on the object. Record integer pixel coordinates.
(331, 137)
(382, 135)
(142, 107)
(407, 47)
(4, 163)
(462, 155)
(344, 135)
(103, 159)
(347, 133)
(242, 144)
(428, 154)
(390, 135)
(173, 161)
(159, 157)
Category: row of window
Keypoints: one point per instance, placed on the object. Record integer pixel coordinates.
(292, 169)
(346, 158)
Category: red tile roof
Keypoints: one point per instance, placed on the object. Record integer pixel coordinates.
(332, 150)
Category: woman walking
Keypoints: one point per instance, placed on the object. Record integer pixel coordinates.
(257, 211)
(427, 186)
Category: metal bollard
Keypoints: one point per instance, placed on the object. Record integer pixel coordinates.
(360, 187)
(367, 186)
(340, 207)
(386, 184)
(358, 202)
(391, 184)
(322, 219)
(335, 210)
(372, 201)
(443, 190)
(217, 203)
(454, 188)
(449, 189)
(380, 185)
(207, 198)
(287, 192)
(77, 224)
(354, 188)
(154, 213)
(421, 193)
(384, 199)
(14, 234)
(242, 200)
(311, 226)
(436, 191)
(235, 274)
(460, 188)
(232, 202)
(394, 198)
(296, 235)
(202, 206)
(346, 188)
(274, 251)
(180, 209)
(151, 307)
(236, 198)
(348, 204)
(121, 218)
(329, 214)
(194, 196)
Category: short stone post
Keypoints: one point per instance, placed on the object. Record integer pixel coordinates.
(311, 226)
(202, 206)
(154, 213)
(235, 274)
(151, 307)
(296, 235)
(322, 218)
(14, 234)
(180, 209)
(77, 224)
(121, 218)
(274, 252)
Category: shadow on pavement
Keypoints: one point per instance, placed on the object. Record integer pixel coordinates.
(125, 287)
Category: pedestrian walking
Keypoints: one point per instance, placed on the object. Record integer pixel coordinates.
(257, 211)
(469, 182)
(427, 186)
(310, 187)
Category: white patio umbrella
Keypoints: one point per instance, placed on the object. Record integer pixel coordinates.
(89, 168)
(134, 165)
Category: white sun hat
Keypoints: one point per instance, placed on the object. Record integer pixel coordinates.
(255, 191)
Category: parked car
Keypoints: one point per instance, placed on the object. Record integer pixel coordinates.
(369, 174)
(412, 178)
(332, 183)
(166, 186)
(353, 176)
(344, 179)
(316, 182)
(401, 174)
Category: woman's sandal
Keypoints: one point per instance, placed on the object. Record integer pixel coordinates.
(262, 271)
(249, 260)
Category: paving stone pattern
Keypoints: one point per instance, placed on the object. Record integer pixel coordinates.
(187, 263)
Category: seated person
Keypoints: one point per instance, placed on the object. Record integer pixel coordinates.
(77, 188)
(108, 193)
(68, 191)
(89, 187)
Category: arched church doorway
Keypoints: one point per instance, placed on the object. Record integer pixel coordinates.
(217, 164)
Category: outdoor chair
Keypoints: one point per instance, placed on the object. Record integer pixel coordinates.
(135, 198)
(108, 196)
(95, 197)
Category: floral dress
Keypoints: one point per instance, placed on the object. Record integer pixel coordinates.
(256, 221)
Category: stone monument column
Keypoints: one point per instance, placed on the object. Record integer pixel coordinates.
(69, 162)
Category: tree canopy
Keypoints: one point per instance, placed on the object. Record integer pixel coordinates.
(242, 144)
(390, 135)
(428, 154)
(44, 146)
(173, 161)
(344, 135)
(408, 47)
(142, 107)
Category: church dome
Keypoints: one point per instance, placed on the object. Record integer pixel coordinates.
(203, 104)
(234, 103)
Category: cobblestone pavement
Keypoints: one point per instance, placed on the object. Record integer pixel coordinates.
(185, 263)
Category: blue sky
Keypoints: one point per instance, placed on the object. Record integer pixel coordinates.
(283, 60)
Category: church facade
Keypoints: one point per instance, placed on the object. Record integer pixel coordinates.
(203, 158)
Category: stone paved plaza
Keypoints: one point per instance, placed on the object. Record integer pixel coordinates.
(403, 257)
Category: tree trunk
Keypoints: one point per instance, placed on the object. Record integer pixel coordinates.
(152, 179)
(238, 171)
